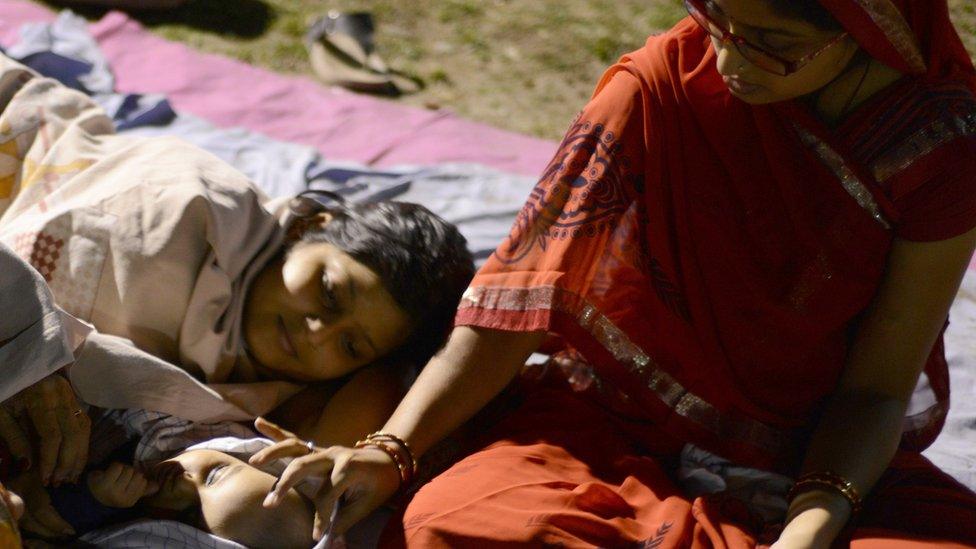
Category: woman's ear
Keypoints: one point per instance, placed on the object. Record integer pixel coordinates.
(302, 225)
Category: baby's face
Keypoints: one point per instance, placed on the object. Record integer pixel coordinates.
(229, 492)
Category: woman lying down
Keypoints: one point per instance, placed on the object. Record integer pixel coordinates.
(141, 464)
(198, 297)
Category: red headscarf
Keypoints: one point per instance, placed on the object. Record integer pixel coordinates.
(913, 36)
(710, 259)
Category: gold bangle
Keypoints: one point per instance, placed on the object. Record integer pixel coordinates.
(379, 435)
(401, 469)
(827, 479)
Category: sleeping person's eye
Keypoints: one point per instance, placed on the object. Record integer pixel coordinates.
(213, 474)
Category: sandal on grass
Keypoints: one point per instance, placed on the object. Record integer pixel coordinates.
(342, 53)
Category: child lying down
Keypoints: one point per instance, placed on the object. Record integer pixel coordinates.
(207, 489)
(204, 485)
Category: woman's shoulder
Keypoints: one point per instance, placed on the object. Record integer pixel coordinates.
(666, 55)
(920, 145)
(919, 120)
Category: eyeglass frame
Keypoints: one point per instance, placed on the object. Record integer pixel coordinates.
(728, 37)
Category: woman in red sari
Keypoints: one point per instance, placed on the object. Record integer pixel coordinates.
(748, 243)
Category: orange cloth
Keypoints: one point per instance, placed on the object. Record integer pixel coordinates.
(561, 471)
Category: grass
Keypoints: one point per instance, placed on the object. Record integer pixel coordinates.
(523, 65)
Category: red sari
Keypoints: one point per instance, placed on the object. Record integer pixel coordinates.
(709, 260)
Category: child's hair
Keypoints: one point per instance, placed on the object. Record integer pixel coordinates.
(422, 260)
(808, 10)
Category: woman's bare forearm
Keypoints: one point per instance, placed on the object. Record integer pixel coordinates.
(861, 426)
(474, 366)
(856, 438)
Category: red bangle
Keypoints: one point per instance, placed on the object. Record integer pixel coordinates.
(402, 470)
(407, 451)
(831, 481)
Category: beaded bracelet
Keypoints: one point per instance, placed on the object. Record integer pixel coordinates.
(827, 479)
(388, 437)
(402, 470)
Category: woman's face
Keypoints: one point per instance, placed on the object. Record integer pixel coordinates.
(318, 314)
(791, 39)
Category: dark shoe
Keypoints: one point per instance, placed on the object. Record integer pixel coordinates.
(342, 53)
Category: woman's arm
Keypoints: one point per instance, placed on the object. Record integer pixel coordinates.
(370, 397)
(358, 408)
(475, 366)
(861, 426)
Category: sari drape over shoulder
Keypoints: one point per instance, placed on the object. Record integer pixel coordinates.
(710, 259)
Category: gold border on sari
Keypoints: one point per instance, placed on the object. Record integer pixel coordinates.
(923, 142)
(668, 389)
(848, 179)
(897, 30)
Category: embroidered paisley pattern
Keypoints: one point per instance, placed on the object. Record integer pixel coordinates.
(582, 192)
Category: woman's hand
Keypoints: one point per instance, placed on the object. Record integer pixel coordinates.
(39, 518)
(363, 478)
(49, 409)
(814, 520)
(794, 542)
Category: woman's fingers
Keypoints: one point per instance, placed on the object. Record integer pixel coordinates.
(318, 464)
(29, 524)
(366, 478)
(74, 446)
(14, 436)
(291, 447)
(42, 414)
(47, 516)
(320, 524)
(354, 511)
(272, 431)
(76, 433)
(325, 506)
(43, 520)
(357, 506)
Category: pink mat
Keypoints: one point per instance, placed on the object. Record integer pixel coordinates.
(343, 125)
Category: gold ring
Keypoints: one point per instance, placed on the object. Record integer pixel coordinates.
(78, 412)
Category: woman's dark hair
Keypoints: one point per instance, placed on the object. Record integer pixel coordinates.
(422, 260)
(808, 10)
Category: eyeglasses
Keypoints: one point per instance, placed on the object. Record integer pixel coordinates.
(759, 57)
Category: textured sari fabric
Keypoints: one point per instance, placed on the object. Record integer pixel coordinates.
(709, 259)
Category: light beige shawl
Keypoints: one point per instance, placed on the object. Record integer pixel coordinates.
(152, 241)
